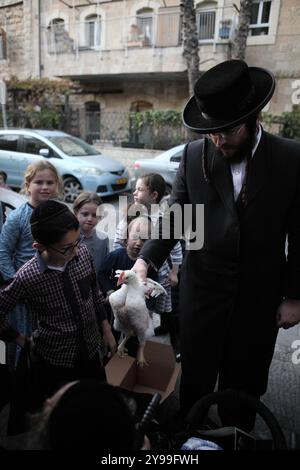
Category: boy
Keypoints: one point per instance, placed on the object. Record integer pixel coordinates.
(59, 285)
(123, 258)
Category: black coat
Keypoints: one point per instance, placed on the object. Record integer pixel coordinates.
(231, 288)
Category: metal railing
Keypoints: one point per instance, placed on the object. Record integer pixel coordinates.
(162, 29)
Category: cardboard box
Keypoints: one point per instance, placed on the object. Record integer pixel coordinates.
(158, 377)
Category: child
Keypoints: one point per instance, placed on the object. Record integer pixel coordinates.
(85, 208)
(70, 420)
(59, 284)
(41, 182)
(3, 179)
(139, 231)
(149, 191)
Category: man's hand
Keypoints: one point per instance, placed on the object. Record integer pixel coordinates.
(288, 313)
(108, 338)
(141, 268)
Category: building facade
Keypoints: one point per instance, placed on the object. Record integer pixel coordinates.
(126, 55)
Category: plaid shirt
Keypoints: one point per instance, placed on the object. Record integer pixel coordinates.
(63, 303)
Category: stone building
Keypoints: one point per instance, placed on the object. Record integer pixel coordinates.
(127, 54)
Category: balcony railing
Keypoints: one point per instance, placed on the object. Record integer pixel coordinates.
(161, 30)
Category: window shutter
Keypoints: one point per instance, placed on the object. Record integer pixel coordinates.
(168, 25)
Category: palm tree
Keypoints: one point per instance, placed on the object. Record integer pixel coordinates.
(240, 41)
(190, 42)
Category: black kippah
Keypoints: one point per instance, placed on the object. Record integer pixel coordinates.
(46, 211)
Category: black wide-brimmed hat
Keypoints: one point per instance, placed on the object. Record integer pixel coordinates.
(227, 95)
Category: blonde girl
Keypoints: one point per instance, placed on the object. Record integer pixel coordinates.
(41, 182)
(86, 207)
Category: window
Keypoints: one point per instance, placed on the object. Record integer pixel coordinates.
(9, 142)
(144, 21)
(177, 157)
(33, 146)
(260, 18)
(93, 31)
(57, 33)
(206, 20)
(3, 55)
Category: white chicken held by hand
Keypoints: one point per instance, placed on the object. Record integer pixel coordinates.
(131, 315)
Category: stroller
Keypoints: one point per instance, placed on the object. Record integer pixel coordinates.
(163, 439)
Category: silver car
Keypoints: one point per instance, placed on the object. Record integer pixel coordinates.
(166, 164)
(81, 166)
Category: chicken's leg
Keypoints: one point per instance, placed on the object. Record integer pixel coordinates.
(122, 351)
(141, 361)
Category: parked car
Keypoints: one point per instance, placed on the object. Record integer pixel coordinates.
(166, 164)
(81, 166)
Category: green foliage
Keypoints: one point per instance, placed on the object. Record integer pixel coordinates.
(288, 123)
(291, 124)
(37, 103)
(154, 118)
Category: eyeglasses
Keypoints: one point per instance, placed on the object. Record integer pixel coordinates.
(226, 134)
(136, 236)
(69, 249)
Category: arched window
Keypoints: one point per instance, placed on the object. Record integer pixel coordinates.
(57, 26)
(206, 20)
(140, 106)
(144, 21)
(93, 30)
(59, 40)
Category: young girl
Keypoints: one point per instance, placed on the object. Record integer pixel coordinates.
(85, 208)
(149, 192)
(41, 182)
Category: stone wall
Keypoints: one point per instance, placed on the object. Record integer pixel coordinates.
(11, 21)
(282, 57)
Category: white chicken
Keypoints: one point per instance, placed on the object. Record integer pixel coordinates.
(131, 315)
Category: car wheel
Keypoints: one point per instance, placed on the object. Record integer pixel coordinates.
(72, 189)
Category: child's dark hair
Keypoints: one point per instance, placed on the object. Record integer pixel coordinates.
(155, 182)
(77, 419)
(4, 175)
(51, 221)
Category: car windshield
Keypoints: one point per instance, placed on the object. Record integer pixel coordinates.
(73, 146)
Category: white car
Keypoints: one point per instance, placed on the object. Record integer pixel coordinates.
(166, 164)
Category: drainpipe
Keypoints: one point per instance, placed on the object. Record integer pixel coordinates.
(39, 41)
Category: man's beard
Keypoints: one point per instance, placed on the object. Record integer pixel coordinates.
(241, 152)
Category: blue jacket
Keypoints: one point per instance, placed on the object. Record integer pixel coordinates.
(16, 241)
